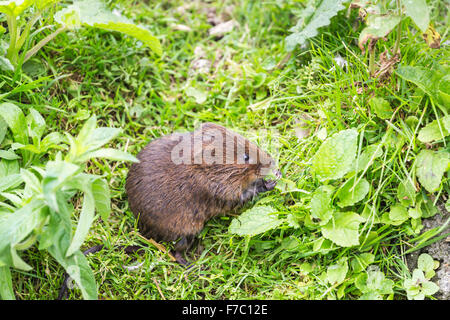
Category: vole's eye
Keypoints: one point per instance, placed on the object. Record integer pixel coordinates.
(246, 157)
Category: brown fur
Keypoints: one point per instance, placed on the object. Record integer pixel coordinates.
(174, 200)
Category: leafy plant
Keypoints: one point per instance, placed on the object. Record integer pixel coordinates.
(36, 200)
(420, 286)
(381, 18)
(81, 13)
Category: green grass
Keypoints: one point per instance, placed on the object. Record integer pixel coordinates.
(105, 74)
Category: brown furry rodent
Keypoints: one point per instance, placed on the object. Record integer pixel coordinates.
(184, 179)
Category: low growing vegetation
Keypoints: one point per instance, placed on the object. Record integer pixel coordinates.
(352, 98)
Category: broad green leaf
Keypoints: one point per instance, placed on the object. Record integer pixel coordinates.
(418, 11)
(425, 263)
(10, 181)
(15, 7)
(436, 130)
(94, 13)
(321, 207)
(335, 156)
(102, 198)
(343, 229)
(336, 273)
(351, 193)
(425, 78)
(6, 289)
(255, 221)
(398, 214)
(430, 167)
(15, 119)
(315, 15)
(406, 193)
(8, 155)
(36, 124)
(381, 107)
(360, 262)
(366, 158)
(15, 228)
(378, 26)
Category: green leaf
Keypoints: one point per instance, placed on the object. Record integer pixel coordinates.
(381, 107)
(335, 156)
(84, 183)
(94, 13)
(15, 119)
(418, 11)
(430, 167)
(367, 157)
(425, 78)
(436, 130)
(425, 263)
(5, 64)
(15, 228)
(10, 181)
(111, 154)
(321, 207)
(314, 16)
(36, 124)
(255, 221)
(398, 214)
(360, 262)
(406, 193)
(343, 229)
(6, 289)
(378, 26)
(8, 155)
(15, 7)
(102, 197)
(199, 96)
(349, 193)
(336, 273)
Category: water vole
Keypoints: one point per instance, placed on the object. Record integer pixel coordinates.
(184, 179)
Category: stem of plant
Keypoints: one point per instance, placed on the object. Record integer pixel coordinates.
(43, 42)
(399, 28)
(372, 60)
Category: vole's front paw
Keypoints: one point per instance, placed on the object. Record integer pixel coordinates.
(270, 184)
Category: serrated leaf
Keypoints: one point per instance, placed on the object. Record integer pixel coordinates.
(312, 19)
(343, 229)
(254, 221)
(351, 193)
(335, 156)
(430, 167)
(418, 11)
